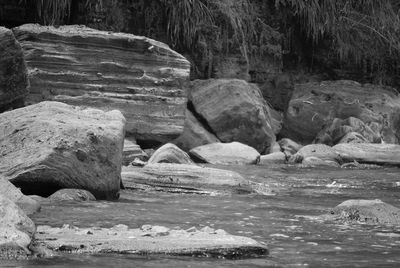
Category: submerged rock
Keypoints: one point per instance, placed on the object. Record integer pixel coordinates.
(26, 203)
(170, 153)
(235, 110)
(13, 73)
(313, 161)
(149, 240)
(141, 77)
(234, 153)
(182, 178)
(369, 153)
(194, 134)
(51, 145)
(72, 195)
(16, 231)
(365, 211)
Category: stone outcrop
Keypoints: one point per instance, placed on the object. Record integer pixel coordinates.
(235, 111)
(369, 153)
(364, 211)
(182, 178)
(194, 134)
(170, 153)
(16, 230)
(51, 145)
(320, 151)
(27, 204)
(72, 195)
(234, 153)
(141, 77)
(131, 152)
(314, 105)
(13, 72)
(148, 240)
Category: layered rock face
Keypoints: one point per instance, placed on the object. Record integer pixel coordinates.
(52, 145)
(13, 72)
(235, 110)
(314, 105)
(141, 77)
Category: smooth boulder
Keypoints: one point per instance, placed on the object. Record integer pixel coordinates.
(51, 145)
(233, 153)
(316, 103)
(235, 110)
(13, 72)
(273, 158)
(289, 147)
(320, 151)
(170, 153)
(72, 195)
(369, 153)
(143, 78)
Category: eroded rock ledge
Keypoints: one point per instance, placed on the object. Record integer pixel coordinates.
(141, 77)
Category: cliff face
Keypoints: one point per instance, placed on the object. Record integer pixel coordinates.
(141, 77)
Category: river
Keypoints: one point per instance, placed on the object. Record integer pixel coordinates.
(285, 220)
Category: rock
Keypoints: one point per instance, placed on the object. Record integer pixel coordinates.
(333, 133)
(235, 111)
(182, 178)
(273, 158)
(353, 137)
(233, 153)
(49, 146)
(276, 121)
(148, 241)
(72, 195)
(278, 91)
(369, 153)
(321, 151)
(13, 73)
(170, 153)
(315, 104)
(313, 161)
(365, 211)
(141, 77)
(194, 134)
(26, 203)
(16, 230)
(275, 148)
(132, 151)
(289, 147)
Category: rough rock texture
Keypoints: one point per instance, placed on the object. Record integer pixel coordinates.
(289, 147)
(170, 153)
(278, 91)
(313, 161)
(132, 151)
(147, 240)
(194, 134)
(13, 72)
(141, 77)
(16, 230)
(273, 158)
(235, 111)
(52, 145)
(27, 204)
(315, 104)
(182, 178)
(321, 151)
(365, 211)
(234, 153)
(353, 137)
(369, 153)
(334, 132)
(72, 195)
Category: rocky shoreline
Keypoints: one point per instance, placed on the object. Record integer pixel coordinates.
(99, 107)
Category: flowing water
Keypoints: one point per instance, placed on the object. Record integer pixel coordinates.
(284, 221)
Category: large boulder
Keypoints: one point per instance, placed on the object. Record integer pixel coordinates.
(170, 153)
(183, 178)
(27, 204)
(234, 153)
(16, 230)
(369, 153)
(52, 145)
(13, 72)
(314, 105)
(320, 151)
(141, 77)
(235, 110)
(194, 134)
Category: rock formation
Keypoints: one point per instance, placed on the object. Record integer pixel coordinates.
(141, 77)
